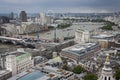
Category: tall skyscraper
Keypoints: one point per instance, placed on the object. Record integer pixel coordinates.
(23, 16)
(43, 18)
(11, 15)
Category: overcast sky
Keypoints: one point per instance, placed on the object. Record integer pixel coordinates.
(82, 6)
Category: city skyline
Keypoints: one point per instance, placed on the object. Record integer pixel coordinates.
(76, 6)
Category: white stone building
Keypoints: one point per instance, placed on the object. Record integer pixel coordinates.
(18, 61)
(43, 20)
(82, 36)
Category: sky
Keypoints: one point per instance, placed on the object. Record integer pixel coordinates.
(72, 6)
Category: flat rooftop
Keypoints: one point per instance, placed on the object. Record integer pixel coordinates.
(102, 36)
(33, 75)
(79, 49)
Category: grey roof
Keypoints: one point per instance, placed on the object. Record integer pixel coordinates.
(81, 49)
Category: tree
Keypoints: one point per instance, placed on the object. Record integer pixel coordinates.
(78, 69)
(118, 54)
(65, 67)
(117, 74)
(108, 25)
(90, 77)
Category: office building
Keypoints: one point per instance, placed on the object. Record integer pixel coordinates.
(4, 19)
(43, 19)
(11, 15)
(5, 74)
(115, 43)
(82, 36)
(18, 61)
(23, 16)
(80, 51)
(103, 39)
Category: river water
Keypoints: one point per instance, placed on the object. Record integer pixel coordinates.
(68, 32)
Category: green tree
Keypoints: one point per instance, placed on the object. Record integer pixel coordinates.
(108, 25)
(64, 25)
(118, 54)
(117, 74)
(78, 69)
(65, 67)
(90, 77)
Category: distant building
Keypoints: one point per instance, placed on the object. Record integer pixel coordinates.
(21, 28)
(23, 16)
(18, 61)
(82, 36)
(80, 51)
(2, 31)
(103, 39)
(43, 19)
(115, 43)
(4, 19)
(12, 16)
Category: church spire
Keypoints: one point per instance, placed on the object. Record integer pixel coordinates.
(107, 73)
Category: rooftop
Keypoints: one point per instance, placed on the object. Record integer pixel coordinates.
(19, 54)
(3, 72)
(80, 48)
(33, 75)
(56, 59)
(56, 70)
(102, 36)
(47, 77)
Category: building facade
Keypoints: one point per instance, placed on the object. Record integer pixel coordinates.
(80, 51)
(82, 36)
(23, 16)
(18, 62)
(5, 74)
(115, 43)
(103, 39)
(43, 19)
(4, 19)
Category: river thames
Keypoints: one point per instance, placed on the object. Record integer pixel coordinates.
(68, 32)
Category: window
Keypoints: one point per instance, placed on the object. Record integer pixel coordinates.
(105, 78)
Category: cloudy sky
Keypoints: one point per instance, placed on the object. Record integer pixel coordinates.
(82, 6)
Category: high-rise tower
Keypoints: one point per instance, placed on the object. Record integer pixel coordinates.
(23, 16)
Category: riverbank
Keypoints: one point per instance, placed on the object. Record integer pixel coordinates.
(67, 32)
